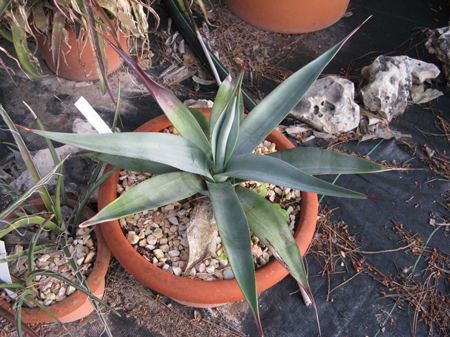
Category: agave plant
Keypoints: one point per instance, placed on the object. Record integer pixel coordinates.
(88, 19)
(213, 156)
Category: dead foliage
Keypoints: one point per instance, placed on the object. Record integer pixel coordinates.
(425, 291)
(238, 41)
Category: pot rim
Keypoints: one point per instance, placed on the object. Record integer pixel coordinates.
(182, 289)
(77, 305)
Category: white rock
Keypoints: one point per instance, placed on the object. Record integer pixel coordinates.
(228, 274)
(329, 106)
(439, 44)
(387, 82)
(132, 237)
(201, 268)
(158, 233)
(44, 163)
(70, 290)
(422, 71)
(174, 253)
(89, 257)
(158, 253)
(177, 271)
(184, 242)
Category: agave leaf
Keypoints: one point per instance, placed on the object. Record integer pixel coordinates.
(26, 220)
(18, 316)
(43, 307)
(40, 21)
(226, 129)
(271, 228)
(202, 120)
(57, 37)
(225, 92)
(98, 48)
(132, 164)
(123, 18)
(275, 106)
(235, 237)
(275, 171)
(317, 161)
(45, 246)
(165, 189)
(25, 204)
(60, 183)
(25, 56)
(161, 147)
(31, 166)
(3, 5)
(35, 187)
(179, 115)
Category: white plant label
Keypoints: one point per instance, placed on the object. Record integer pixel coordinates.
(5, 277)
(92, 116)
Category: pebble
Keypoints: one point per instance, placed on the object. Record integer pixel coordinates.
(51, 290)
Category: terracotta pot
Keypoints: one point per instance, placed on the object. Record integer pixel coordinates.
(184, 290)
(80, 67)
(289, 16)
(77, 305)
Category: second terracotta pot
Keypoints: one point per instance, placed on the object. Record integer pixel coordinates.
(76, 65)
(77, 305)
(289, 16)
(184, 290)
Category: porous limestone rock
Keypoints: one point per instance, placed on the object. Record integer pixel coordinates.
(386, 83)
(439, 44)
(329, 106)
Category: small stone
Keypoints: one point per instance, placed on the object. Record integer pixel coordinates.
(174, 253)
(228, 274)
(167, 268)
(70, 290)
(184, 256)
(165, 248)
(151, 240)
(256, 251)
(201, 268)
(174, 221)
(89, 257)
(210, 269)
(177, 271)
(62, 291)
(158, 253)
(158, 233)
(132, 237)
(184, 242)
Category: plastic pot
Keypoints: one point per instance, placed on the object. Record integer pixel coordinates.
(289, 16)
(184, 290)
(77, 305)
(76, 66)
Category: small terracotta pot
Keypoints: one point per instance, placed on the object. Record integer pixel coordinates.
(184, 290)
(80, 67)
(289, 16)
(77, 305)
